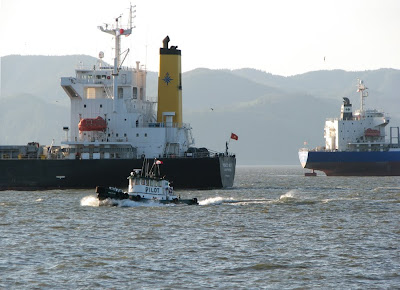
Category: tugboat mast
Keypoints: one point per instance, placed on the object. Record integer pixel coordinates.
(117, 31)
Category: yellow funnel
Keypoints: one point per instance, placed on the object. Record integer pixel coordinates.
(170, 84)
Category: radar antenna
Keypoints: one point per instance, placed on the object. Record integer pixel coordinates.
(117, 31)
(361, 88)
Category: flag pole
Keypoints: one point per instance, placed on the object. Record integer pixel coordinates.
(227, 144)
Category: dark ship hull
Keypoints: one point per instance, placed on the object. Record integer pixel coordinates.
(35, 174)
(386, 163)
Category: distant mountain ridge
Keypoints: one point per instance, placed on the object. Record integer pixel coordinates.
(272, 115)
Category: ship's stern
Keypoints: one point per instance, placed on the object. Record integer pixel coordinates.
(227, 166)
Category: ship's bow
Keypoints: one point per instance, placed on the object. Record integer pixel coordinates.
(303, 156)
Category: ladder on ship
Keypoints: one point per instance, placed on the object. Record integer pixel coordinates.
(108, 91)
(394, 136)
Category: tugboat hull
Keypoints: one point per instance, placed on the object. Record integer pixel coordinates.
(117, 194)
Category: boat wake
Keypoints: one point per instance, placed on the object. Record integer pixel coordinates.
(291, 196)
(295, 196)
(90, 200)
(225, 200)
(288, 196)
(93, 201)
(216, 201)
(385, 189)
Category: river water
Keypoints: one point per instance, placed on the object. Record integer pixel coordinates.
(275, 229)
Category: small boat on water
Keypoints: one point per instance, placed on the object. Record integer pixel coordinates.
(145, 185)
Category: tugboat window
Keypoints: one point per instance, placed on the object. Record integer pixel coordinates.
(84, 106)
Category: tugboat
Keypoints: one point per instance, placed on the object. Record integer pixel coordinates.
(115, 126)
(145, 186)
(355, 144)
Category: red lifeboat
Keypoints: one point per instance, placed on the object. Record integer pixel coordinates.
(90, 124)
(372, 133)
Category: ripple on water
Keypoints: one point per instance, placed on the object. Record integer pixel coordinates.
(275, 228)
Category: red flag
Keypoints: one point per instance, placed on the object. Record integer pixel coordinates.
(234, 136)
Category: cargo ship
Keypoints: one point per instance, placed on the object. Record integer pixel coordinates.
(356, 144)
(115, 127)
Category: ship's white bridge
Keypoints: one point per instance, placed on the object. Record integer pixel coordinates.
(111, 112)
(362, 131)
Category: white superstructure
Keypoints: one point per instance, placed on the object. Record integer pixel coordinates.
(115, 98)
(363, 130)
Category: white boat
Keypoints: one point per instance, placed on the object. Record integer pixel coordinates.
(145, 185)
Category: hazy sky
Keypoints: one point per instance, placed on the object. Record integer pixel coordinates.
(284, 37)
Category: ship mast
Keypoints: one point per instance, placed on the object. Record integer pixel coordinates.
(117, 31)
(361, 88)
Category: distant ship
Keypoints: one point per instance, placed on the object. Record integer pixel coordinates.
(355, 144)
(115, 127)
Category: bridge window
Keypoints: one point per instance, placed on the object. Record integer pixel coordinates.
(134, 93)
(141, 93)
